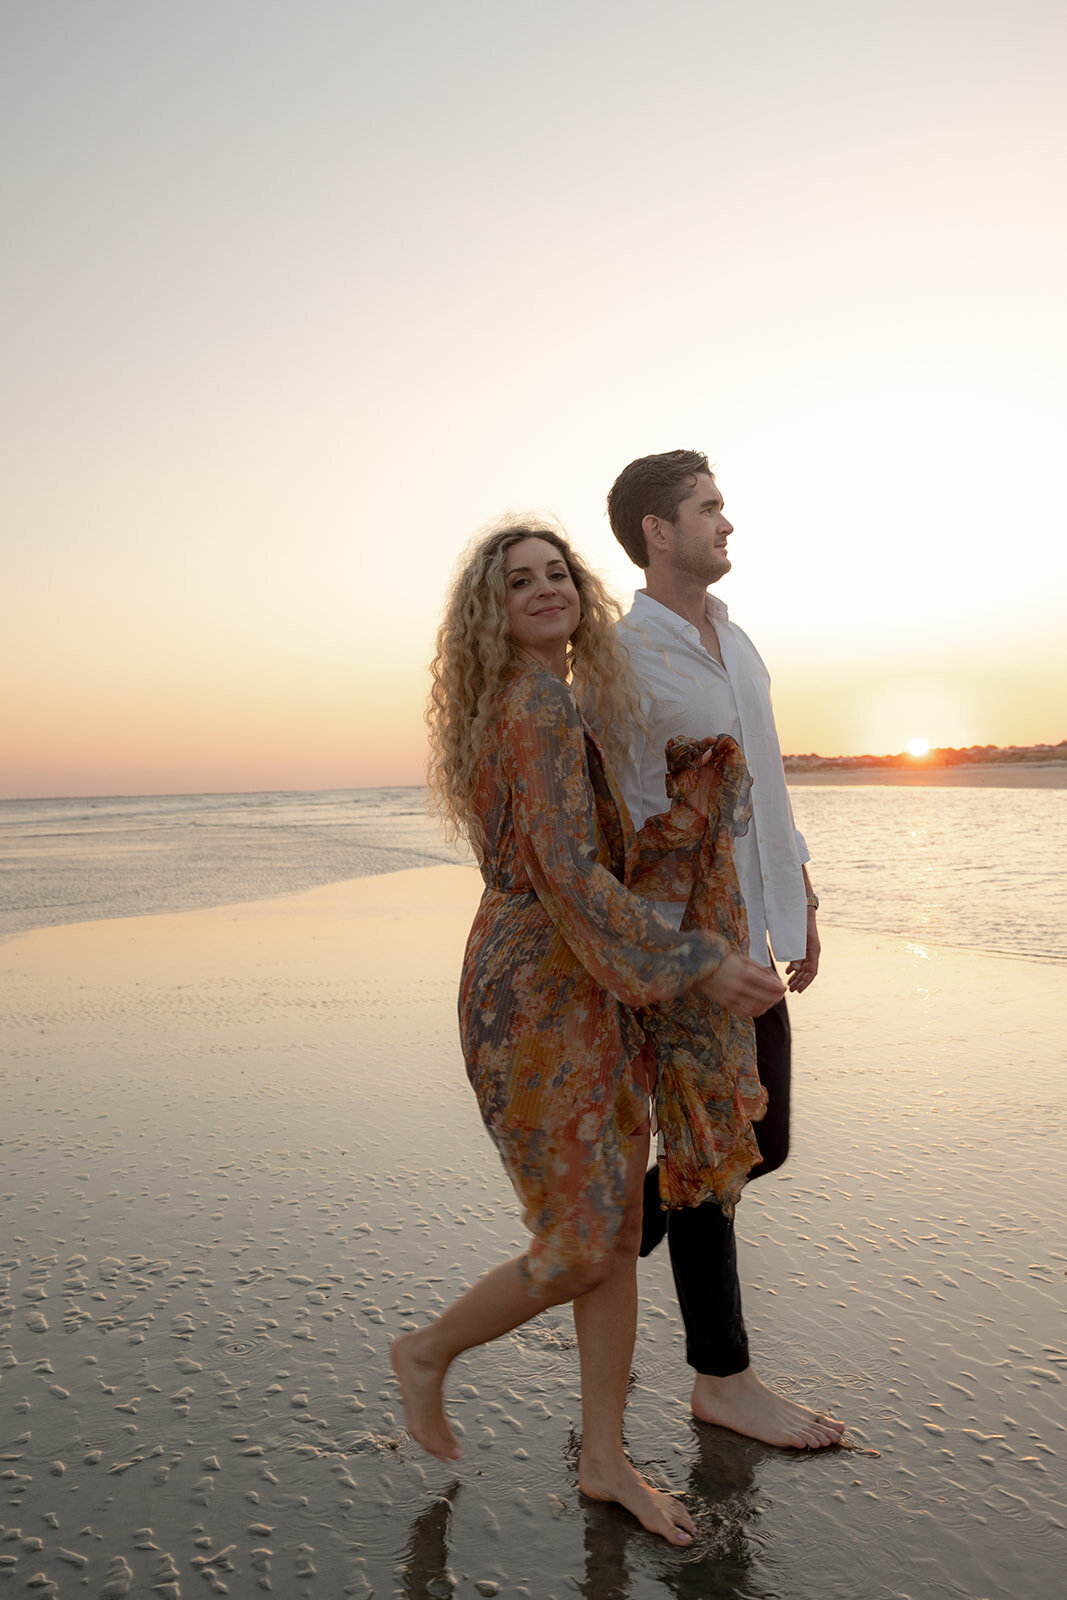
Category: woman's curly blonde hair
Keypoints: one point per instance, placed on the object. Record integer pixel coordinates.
(475, 657)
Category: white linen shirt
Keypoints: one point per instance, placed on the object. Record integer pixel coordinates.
(686, 693)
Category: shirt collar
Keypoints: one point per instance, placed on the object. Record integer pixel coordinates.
(654, 613)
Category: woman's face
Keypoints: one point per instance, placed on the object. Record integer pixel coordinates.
(543, 604)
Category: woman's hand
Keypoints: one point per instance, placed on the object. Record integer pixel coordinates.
(742, 986)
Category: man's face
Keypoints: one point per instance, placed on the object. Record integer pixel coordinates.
(700, 533)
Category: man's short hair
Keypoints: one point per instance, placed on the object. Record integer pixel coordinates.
(651, 486)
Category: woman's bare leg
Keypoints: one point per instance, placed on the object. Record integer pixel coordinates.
(500, 1301)
(606, 1322)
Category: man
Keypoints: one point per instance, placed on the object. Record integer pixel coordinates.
(700, 675)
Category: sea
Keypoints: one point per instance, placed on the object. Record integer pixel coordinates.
(976, 868)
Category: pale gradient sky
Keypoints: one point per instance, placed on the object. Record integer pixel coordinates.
(298, 295)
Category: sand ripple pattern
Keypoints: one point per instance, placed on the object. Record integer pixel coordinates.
(220, 1206)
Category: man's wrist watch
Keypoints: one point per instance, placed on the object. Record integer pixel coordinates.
(813, 900)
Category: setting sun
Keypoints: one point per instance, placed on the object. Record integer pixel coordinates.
(918, 747)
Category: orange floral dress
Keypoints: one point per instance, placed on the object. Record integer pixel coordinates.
(562, 951)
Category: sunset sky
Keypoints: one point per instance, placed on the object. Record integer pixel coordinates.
(299, 293)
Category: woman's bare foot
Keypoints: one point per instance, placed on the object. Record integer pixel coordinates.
(618, 1481)
(421, 1378)
(744, 1403)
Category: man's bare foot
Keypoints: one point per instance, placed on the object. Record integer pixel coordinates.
(744, 1403)
(421, 1377)
(618, 1481)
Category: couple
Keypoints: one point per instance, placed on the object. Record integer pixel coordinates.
(606, 965)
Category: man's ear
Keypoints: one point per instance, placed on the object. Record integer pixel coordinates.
(655, 531)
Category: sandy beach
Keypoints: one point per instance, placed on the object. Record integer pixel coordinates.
(239, 1153)
(994, 775)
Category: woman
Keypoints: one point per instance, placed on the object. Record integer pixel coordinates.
(561, 950)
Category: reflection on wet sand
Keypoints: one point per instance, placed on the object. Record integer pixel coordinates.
(426, 1561)
(721, 1492)
(720, 1496)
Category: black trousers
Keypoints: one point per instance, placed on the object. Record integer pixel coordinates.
(701, 1240)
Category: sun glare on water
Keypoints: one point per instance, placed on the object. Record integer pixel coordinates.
(918, 747)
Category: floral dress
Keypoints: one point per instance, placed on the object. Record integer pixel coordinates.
(562, 950)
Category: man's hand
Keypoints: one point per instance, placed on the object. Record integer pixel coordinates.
(801, 973)
(742, 986)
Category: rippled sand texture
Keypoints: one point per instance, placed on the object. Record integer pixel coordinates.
(239, 1152)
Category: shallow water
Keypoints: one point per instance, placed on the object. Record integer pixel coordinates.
(979, 868)
(66, 861)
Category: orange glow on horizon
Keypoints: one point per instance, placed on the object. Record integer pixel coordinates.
(255, 416)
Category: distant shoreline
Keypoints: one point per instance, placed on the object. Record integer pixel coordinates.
(988, 775)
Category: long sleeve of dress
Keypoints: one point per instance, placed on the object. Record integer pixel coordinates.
(665, 854)
(671, 849)
(612, 931)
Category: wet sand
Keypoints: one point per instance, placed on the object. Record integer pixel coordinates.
(992, 775)
(239, 1152)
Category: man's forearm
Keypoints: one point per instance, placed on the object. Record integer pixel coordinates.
(812, 897)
